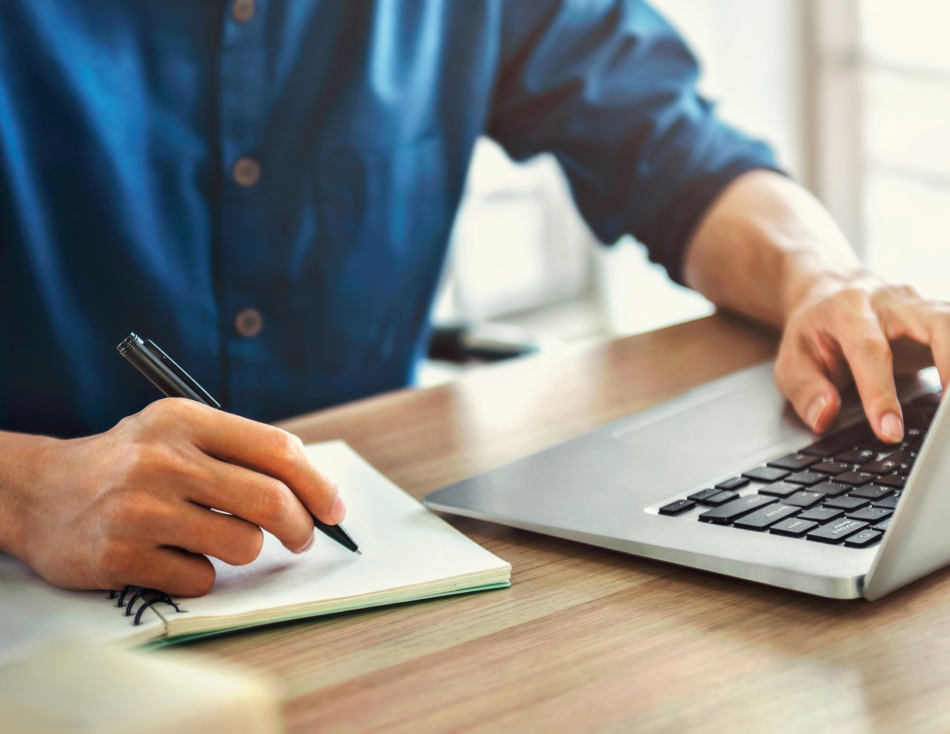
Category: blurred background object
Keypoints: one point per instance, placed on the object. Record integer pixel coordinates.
(854, 95)
(75, 685)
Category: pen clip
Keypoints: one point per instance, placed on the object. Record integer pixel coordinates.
(180, 373)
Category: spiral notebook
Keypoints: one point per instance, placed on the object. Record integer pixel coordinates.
(408, 554)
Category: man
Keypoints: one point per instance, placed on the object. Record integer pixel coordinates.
(266, 187)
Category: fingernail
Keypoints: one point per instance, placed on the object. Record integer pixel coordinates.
(815, 411)
(338, 512)
(892, 427)
(309, 545)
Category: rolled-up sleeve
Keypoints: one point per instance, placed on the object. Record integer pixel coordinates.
(609, 87)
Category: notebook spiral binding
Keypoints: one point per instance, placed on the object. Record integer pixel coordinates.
(149, 598)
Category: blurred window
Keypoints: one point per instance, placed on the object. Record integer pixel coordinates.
(882, 132)
(905, 70)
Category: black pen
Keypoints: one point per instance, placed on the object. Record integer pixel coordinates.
(172, 380)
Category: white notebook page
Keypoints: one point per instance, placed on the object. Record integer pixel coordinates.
(407, 552)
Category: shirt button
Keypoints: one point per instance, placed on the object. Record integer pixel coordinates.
(242, 10)
(247, 171)
(249, 322)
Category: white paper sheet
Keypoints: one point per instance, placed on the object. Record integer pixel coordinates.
(404, 547)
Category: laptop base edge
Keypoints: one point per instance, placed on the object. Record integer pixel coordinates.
(830, 587)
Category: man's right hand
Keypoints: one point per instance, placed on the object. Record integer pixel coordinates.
(135, 505)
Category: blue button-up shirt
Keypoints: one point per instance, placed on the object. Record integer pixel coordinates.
(122, 208)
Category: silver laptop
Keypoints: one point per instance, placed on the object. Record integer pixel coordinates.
(727, 479)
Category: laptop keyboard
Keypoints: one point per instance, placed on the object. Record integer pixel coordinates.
(841, 490)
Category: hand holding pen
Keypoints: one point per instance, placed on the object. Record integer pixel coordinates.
(172, 380)
(132, 506)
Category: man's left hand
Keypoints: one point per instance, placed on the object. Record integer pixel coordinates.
(861, 329)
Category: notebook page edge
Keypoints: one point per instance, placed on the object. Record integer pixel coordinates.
(179, 632)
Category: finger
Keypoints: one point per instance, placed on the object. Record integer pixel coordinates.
(918, 322)
(940, 345)
(930, 325)
(173, 571)
(869, 355)
(280, 455)
(203, 531)
(800, 377)
(265, 449)
(253, 497)
(910, 357)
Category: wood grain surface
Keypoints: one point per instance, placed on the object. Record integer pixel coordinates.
(587, 639)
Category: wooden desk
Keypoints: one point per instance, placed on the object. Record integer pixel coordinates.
(587, 639)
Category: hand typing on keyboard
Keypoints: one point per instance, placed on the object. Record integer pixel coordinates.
(767, 249)
(863, 329)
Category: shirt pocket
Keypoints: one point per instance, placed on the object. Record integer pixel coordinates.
(385, 219)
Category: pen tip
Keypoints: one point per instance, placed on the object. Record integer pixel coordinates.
(359, 551)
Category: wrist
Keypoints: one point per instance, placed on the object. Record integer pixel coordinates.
(22, 463)
(808, 278)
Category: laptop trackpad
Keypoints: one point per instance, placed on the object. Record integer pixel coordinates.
(609, 475)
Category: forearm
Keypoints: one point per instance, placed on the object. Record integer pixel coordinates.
(764, 246)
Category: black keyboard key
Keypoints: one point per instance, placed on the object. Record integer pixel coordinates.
(704, 495)
(856, 478)
(794, 527)
(720, 499)
(762, 519)
(892, 480)
(883, 466)
(848, 504)
(804, 499)
(916, 424)
(840, 441)
(856, 456)
(928, 400)
(904, 456)
(871, 514)
(919, 420)
(914, 416)
(863, 539)
(678, 507)
(878, 446)
(736, 509)
(822, 514)
(831, 467)
(872, 492)
(734, 483)
(830, 489)
(781, 489)
(766, 474)
(883, 525)
(912, 444)
(836, 531)
(806, 478)
(888, 503)
(794, 462)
